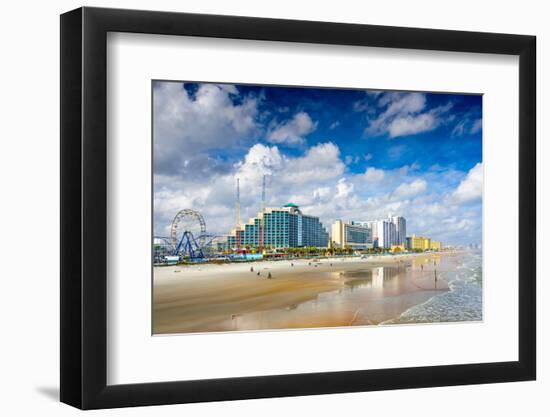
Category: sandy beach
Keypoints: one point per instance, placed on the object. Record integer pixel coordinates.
(299, 294)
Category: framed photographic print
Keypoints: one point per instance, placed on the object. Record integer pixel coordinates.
(258, 208)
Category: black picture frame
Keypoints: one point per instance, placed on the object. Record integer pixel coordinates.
(84, 207)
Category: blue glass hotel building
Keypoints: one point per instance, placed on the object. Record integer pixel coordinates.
(279, 228)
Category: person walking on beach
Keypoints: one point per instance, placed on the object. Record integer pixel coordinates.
(269, 275)
(251, 269)
(422, 267)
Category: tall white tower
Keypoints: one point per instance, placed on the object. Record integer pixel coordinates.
(263, 193)
(238, 206)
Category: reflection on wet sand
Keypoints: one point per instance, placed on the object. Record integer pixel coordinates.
(368, 296)
(305, 295)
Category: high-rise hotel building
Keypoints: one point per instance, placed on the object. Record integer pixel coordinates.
(400, 229)
(278, 228)
(387, 232)
(351, 234)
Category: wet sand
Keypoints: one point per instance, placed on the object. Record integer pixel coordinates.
(327, 293)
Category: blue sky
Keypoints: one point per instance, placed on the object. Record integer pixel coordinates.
(340, 154)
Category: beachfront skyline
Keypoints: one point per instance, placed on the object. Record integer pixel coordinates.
(339, 154)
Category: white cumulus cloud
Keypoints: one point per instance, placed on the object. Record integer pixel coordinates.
(410, 189)
(404, 114)
(410, 125)
(471, 187)
(373, 174)
(293, 131)
(302, 179)
(320, 163)
(207, 120)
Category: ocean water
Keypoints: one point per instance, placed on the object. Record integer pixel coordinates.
(464, 301)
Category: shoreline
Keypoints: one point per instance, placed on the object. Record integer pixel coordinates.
(244, 266)
(301, 294)
(370, 256)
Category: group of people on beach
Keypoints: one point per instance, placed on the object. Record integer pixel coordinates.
(269, 276)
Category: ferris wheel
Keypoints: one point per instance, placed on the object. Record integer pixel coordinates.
(188, 233)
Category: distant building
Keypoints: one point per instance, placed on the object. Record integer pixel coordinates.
(397, 248)
(422, 243)
(372, 225)
(279, 228)
(400, 229)
(354, 235)
(435, 245)
(387, 232)
(383, 232)
(427, 243)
